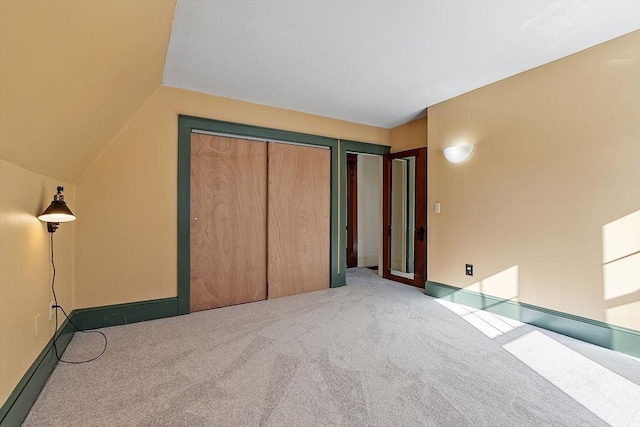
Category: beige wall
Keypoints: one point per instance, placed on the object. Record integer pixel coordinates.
(409, 136)
(369, 212)
(554, 177)
(72, 73)
(25, 269)
(556, 163)
(126, 240)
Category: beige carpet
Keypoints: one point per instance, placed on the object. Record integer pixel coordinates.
(373, 353)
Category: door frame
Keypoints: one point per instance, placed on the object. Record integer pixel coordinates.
(420, 250)
(339, 148)
(187, 125)
(345, 147)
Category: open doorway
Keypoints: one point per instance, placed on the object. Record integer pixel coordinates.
(364, 211)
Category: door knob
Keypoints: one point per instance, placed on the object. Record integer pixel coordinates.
(420, 233)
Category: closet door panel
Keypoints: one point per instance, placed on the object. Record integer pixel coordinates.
(228, 221)
(299, 219)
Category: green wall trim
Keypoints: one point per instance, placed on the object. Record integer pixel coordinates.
(187, 124)
(595, 332)
(123, 314)
(358, 148)
(364, 147)
(16, 408)
(240, 129)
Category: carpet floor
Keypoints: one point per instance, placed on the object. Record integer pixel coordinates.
(374, 353)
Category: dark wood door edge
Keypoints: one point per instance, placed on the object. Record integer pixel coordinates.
(352, 210)
(420, 246)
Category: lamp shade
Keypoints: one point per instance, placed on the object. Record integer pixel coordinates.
(58, 211)
(458, 153)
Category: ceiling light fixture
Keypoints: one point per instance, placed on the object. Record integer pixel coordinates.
(57, 212)
(458, 153)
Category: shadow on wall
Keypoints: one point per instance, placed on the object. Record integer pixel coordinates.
(504, 285)
(621, 271)
(497, 293)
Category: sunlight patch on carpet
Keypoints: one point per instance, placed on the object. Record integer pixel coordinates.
(611, 397)
(490, 324)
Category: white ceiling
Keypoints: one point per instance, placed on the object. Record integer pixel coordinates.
(379, 63)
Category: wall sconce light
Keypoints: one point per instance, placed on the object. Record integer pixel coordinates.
(458, 153)
(57, 212)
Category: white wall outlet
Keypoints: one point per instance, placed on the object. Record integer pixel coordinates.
(51, 309)
(436, 207)
(37, 323)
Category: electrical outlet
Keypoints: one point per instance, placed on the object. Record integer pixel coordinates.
(51, 309)
(469, 269)
(37, 323)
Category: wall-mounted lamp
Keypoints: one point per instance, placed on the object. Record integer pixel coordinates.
(57, 212)
(458, 153)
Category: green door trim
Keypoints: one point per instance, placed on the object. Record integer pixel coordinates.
(359, 148)
(188, 124)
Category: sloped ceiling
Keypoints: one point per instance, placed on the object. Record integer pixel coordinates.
(376, 62)
(72, 73)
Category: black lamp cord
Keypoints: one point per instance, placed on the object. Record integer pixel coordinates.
(56, 335)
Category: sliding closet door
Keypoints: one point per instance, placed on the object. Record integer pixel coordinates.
(228, 221)
(299, 219)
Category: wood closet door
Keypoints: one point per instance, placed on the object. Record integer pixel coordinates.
(228, 221)
(299, 219)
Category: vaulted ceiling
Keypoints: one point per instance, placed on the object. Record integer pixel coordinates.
(72, 73)
(379, 63)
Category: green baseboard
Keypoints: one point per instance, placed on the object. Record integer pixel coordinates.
(595, 332)
(123, 314)
(17, 406)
